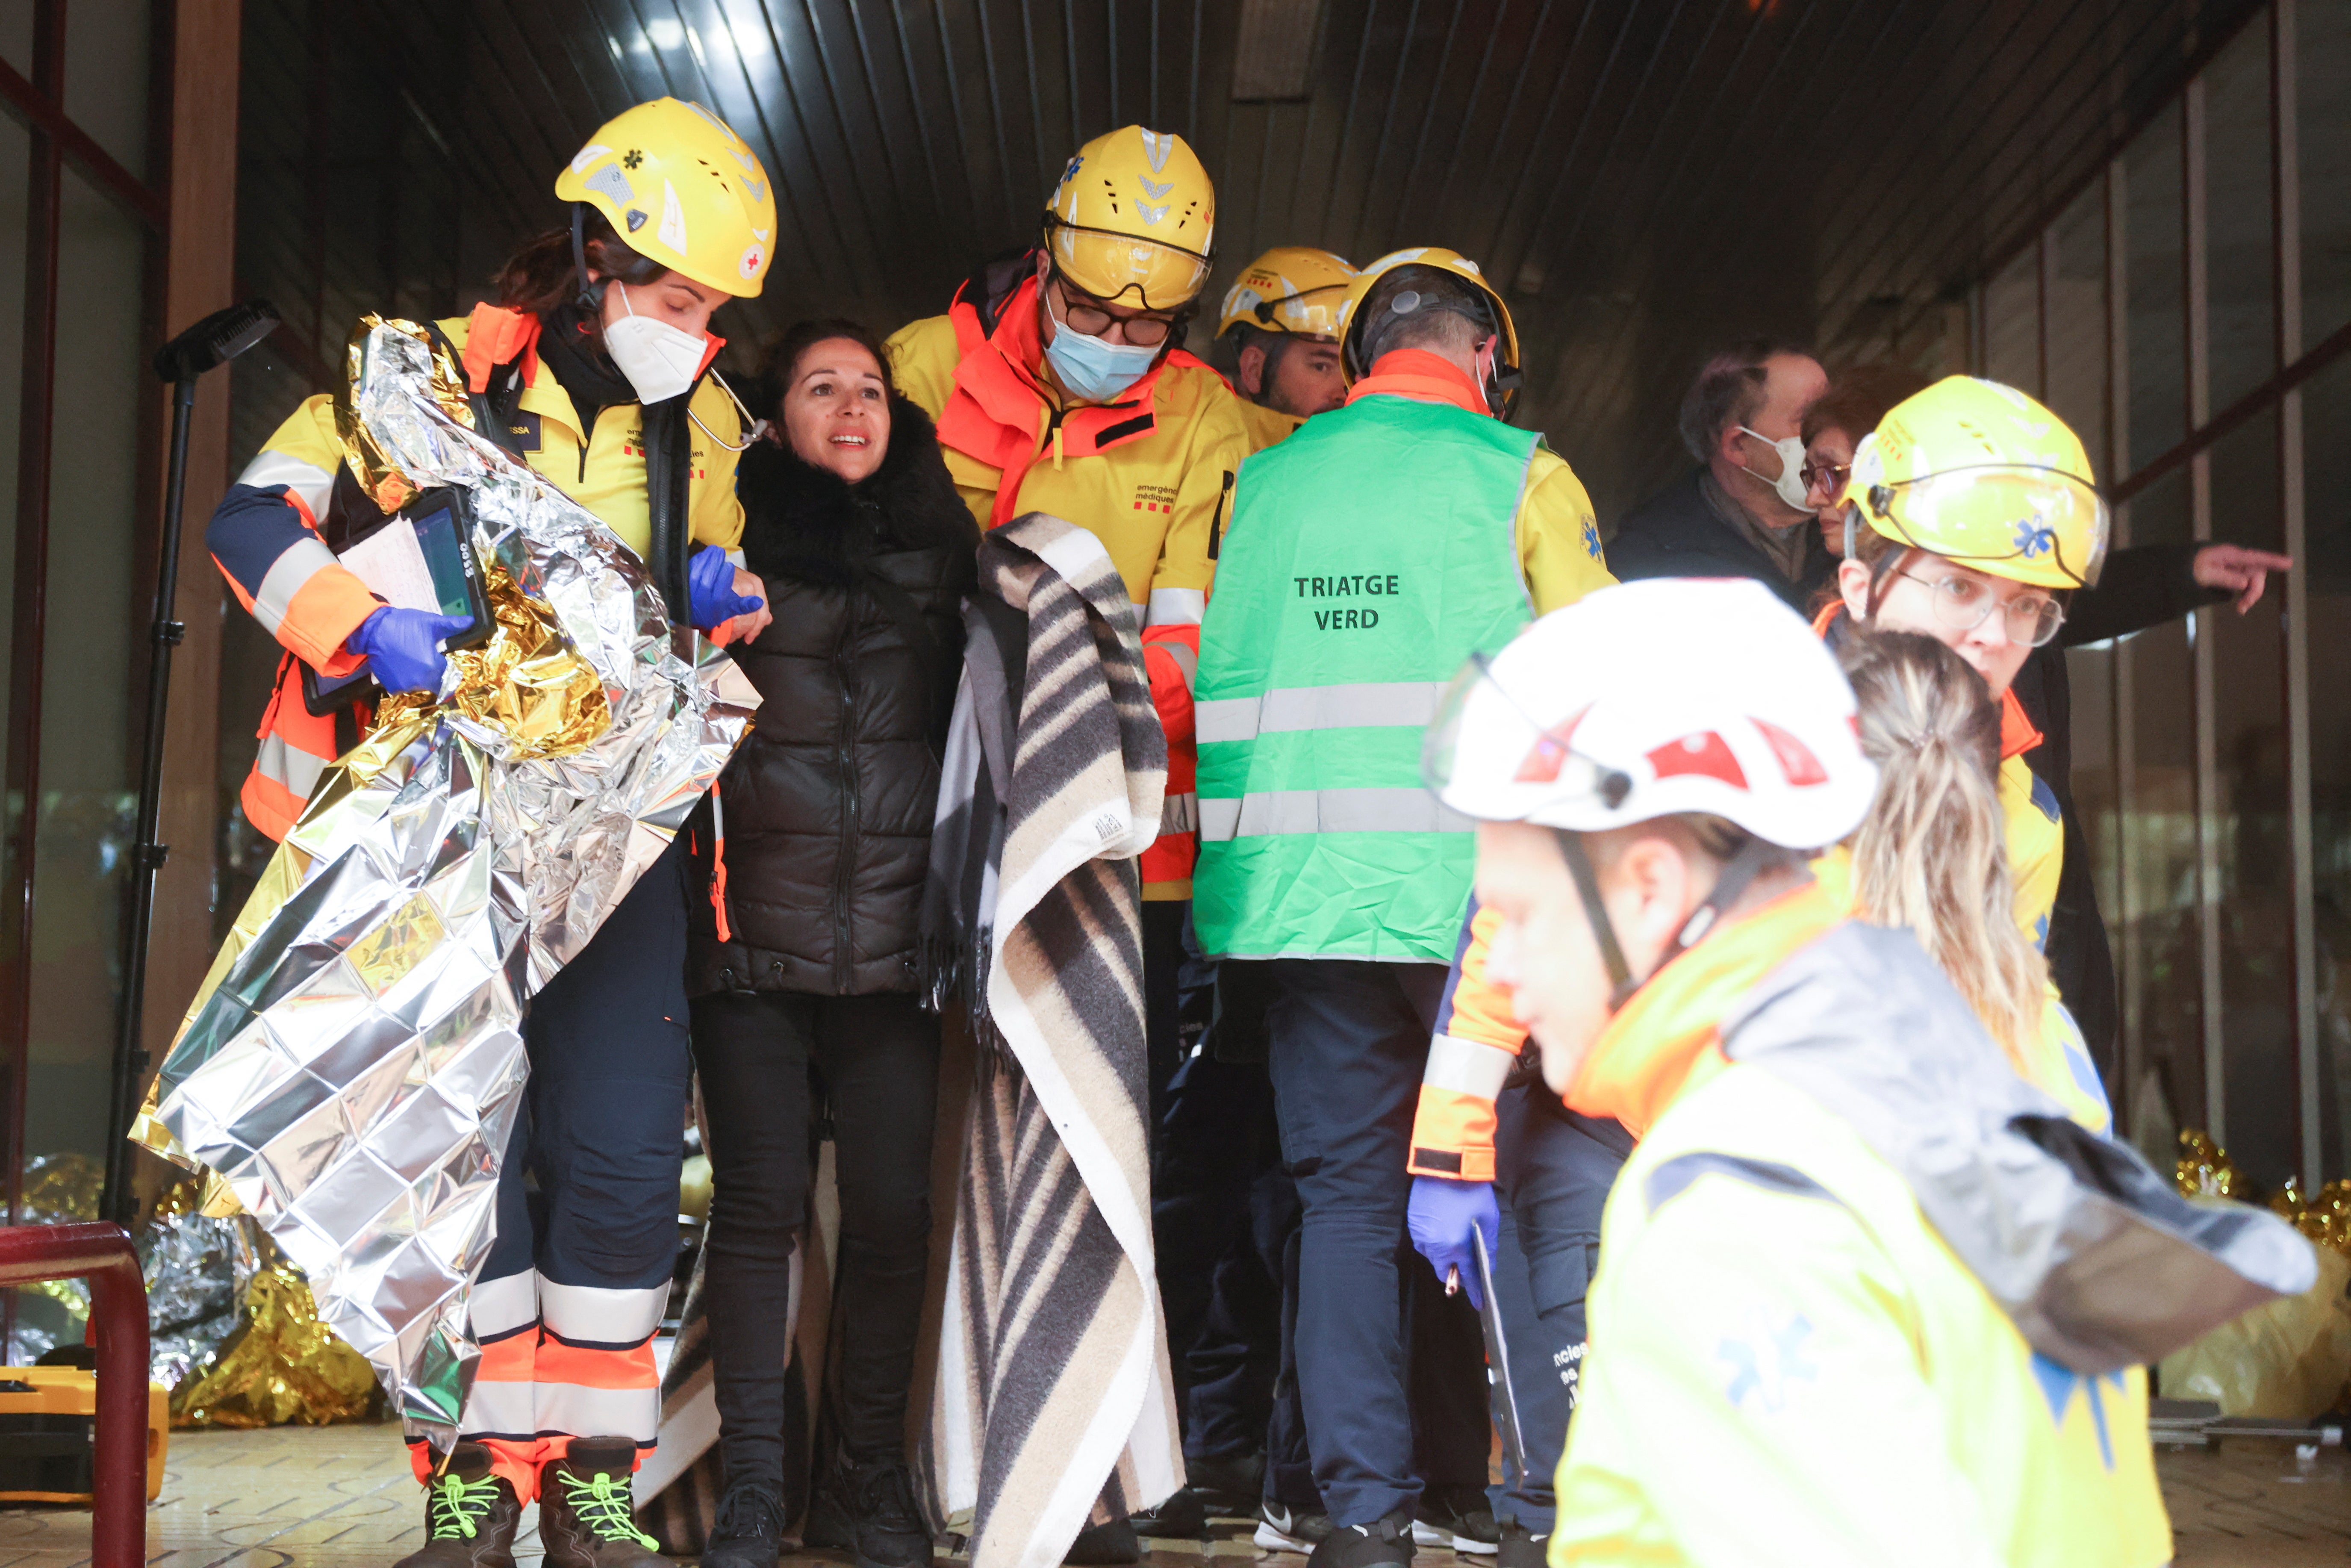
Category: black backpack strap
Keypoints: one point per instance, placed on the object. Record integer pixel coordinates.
(669, 465)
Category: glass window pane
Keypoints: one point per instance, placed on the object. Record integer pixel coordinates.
(2326, 567)
(87, 794)
(2012, 322)
(17, 38)
(106, 75)
(2077, 322)
(2154, 925)
(15, 155)
(2250, 820)
(2241, 314)
(2322, 85)
(2157, 270)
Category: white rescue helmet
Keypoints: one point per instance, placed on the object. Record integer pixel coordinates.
(1657, 698)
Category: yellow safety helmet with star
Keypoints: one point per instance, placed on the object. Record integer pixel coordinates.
(1134, 220)
(1289, 289)
(1980, 473)
(1351, 309)
(681, 188)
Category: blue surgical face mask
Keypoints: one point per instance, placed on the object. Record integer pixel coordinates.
(1092, 370)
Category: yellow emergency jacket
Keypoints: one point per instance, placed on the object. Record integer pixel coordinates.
(1789, 1364)
(1150, 475)
(265, 535)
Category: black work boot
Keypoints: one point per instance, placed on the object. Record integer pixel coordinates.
(1520, 1548)
(1456, 1519)
(587, 1514)
(1183, 1517)
(1362, 1545)
(867, 1507)
(1111, 1544)
(469, 1515)
(749, 1530)
(1228, 1489)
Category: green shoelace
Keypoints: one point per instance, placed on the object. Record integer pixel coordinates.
(604, 1507)
(452, 1504)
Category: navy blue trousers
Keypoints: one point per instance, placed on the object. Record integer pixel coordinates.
(1552, 1169)
(1349, 1039)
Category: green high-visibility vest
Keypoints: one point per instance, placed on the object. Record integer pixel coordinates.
(1368, 554)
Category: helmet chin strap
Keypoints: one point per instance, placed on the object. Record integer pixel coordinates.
(1737, 873)
(592, 298)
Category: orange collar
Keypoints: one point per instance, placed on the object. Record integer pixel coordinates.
(1428, 378)
(2017, 735)
(1665, 1038)
(1002, 414)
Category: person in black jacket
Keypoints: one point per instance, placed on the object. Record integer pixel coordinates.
(802, 963)
(1741, 511)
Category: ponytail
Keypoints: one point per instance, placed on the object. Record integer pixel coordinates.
(1932, 854)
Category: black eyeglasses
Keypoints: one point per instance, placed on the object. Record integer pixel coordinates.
(1084, 314)
(1833, 475)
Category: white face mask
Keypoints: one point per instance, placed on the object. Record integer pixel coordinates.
(1790, 482)
(660, 360)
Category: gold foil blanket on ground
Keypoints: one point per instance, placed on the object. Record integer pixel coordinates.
(353, 1063)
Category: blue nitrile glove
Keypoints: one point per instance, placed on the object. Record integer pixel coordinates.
(403, 647)
(710, 586)
(1441, 1216)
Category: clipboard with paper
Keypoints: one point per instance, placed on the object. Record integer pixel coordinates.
(421, 558)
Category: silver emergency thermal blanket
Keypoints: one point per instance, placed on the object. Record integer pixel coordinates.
(352, 1067)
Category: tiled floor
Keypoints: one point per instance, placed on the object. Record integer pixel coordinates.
(341, 1496)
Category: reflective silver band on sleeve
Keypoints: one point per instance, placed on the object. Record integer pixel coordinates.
(1466, 1066)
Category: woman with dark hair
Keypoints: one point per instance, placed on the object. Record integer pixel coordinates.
(1856, 400)
(803, 956)
(594, 369)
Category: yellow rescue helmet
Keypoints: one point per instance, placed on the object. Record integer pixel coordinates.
(1289, 289)
(680, 188)
(1982, 475)
(1134, 220)
(1350, 325)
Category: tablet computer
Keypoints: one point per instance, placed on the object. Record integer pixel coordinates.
(420, 558)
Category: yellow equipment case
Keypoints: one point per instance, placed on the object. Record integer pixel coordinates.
(47, 1423)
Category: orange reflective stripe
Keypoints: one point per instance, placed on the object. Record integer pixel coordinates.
(509, 1360)
(1452, 1135)
(595, 1368)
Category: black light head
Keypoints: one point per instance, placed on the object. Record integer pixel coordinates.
(217, 339)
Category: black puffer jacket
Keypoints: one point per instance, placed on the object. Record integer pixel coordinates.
(827, 805)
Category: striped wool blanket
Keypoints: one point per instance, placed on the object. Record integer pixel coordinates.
(1052, 1404)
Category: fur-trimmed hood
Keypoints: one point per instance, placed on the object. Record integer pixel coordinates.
(806, 522)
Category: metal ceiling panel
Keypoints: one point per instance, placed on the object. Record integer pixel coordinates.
(1644, 179)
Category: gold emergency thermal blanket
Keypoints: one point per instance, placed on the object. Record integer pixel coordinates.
(352, 1065)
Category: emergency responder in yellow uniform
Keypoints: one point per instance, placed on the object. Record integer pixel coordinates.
(1280, 320)
(1338, 610)
(1834, 1322)
(595, 370)
(1973, 510)
(1061, 385)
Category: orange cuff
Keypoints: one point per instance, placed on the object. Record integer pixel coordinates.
(1452, 1135)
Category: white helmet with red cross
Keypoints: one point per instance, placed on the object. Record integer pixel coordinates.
(1658, 699)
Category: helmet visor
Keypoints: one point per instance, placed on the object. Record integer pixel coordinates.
(1483, 743)
(1121, 269)
(2033, 524)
